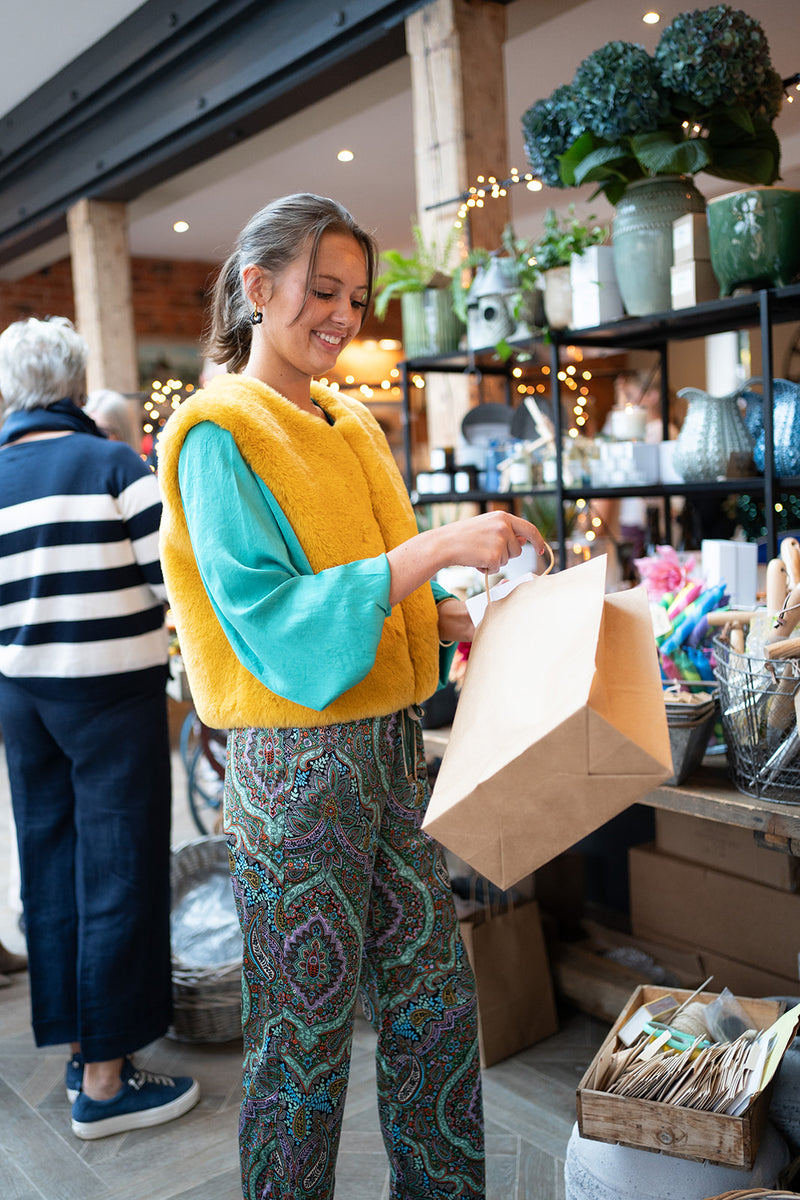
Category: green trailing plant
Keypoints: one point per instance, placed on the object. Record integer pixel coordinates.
(431, 265)
(705, 100)
(516, 250)
(562, 238)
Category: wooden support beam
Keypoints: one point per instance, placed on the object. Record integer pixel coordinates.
(101, 280)
(459, 110)
(459, 115)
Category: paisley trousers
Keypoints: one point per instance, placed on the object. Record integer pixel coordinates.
(340, 894)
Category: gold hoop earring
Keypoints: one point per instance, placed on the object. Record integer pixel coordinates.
(255, 316)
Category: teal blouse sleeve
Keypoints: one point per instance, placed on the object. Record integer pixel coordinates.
(307, 637)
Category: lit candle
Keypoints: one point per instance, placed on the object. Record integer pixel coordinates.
(629, 424)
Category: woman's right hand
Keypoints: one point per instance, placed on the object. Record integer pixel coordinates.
(486, 542)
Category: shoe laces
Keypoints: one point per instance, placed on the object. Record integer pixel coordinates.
(140, 1077)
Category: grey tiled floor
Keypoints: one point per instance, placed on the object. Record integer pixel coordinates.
(529, 1104)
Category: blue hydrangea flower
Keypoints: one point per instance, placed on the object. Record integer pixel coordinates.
(618, 92)
(549, 128)
(719, 58)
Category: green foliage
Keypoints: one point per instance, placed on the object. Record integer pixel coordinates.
(518, 251)
(562, 238)
(542, 511)
(705, 101)
(431, 265)
(549, 128)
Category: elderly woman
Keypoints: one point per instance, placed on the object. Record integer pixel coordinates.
(83, 664)
(115, 416)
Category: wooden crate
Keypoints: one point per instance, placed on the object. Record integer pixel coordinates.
(668, 1128)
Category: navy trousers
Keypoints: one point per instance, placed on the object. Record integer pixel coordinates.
(91, 793)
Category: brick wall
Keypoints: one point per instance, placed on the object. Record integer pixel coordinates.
(169, 297)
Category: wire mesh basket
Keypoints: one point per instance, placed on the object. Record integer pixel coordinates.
(757, 702)
(206, 944)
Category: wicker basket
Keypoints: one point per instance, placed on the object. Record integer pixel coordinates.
(758, 716)
(755, 1194)
(207, 995)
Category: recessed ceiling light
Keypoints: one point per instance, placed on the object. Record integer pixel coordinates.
(345, 156)
(651, 18)
(181, 226)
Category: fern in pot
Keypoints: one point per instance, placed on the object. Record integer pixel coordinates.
(423, 281)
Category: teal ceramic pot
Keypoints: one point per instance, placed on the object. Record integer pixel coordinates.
(430, 326)
(754, 237)
(642, 230)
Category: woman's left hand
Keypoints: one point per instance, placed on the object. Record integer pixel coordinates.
(455, 623)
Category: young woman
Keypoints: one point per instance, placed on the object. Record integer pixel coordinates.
(300, 589)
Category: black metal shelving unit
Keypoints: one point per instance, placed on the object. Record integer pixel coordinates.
(762, 309)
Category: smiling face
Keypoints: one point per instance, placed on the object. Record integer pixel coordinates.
(300, 337)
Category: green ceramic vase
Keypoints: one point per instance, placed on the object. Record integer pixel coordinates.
(642, 230)
(430, 326)
(754, 237)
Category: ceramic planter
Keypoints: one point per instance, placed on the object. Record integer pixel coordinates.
(430, 326)
(753, 237)
(642, 230)
(595, 294)
(558, 297)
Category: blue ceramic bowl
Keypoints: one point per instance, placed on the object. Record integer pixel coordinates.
(754, 237)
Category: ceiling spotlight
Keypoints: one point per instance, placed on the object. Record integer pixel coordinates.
(181, 226)
(345, 156)
(651, 18)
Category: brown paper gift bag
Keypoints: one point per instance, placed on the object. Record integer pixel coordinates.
(516, 1003)
(560, 725)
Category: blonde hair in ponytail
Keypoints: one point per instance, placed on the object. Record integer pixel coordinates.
(273, 238)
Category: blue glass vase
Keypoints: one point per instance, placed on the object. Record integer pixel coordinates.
(785, 424)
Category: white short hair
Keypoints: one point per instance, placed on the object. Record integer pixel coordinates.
(115, 415)
(41, 362)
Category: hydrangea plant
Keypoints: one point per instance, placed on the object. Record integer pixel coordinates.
(704, 101)
(550, 127)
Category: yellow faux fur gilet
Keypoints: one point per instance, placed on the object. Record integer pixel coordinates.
(340, 489)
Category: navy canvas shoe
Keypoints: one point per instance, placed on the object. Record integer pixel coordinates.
(74, 1076)
(144, 1099)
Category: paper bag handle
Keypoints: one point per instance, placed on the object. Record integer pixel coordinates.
(546, 571)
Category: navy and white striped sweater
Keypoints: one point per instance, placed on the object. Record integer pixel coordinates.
(81, 592)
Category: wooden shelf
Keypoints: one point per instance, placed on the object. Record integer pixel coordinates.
(709, 794)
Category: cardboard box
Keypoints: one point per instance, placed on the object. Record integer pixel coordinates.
(727, 848)
(598, 973)
(668, 1128)
(733, 563)
(676, 900)
(690, 238)
(595, 294)
(742, 978)
(692, 283)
